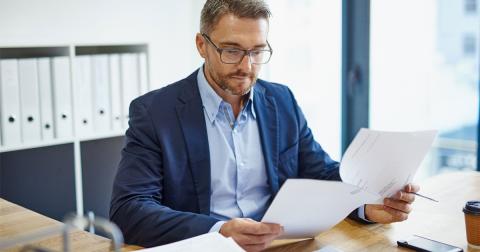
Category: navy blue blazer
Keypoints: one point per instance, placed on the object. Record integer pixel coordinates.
(161, 192)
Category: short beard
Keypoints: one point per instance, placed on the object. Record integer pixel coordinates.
(222, 84)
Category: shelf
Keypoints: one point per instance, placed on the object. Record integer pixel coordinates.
(110, 49)
(101, 136)
(59, 141)
(69, 166)
(33, 52)
(35, 145)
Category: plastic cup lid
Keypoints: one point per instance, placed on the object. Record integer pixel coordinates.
(472, 207)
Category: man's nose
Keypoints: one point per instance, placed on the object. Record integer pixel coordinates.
(246, 63)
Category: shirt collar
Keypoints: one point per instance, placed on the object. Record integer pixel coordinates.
(212, 101)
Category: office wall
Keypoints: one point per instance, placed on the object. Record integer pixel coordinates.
(170, 26)
(167, 26)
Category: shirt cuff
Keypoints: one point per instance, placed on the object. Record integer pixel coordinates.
(361, 214)
(216, 227)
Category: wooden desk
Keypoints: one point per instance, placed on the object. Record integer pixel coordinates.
(16, 220)
(443, 221)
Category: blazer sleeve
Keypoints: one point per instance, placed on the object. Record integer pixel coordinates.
(136, 205)
(314, 162)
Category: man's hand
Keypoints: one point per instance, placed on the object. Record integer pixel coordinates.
(251, 235)
(394, 209)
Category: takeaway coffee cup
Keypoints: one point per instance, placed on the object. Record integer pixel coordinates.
(472, 223)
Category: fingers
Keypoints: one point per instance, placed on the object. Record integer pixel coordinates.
(255, 239)
(259, 228)
(387, 213)
(404, 196)
(396, 208)
(254, 248)
(249, 234)
(412, 188)
(395, 214)
(257, 242)
(398, 205)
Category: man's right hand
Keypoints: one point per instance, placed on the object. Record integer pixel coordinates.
(251, 235)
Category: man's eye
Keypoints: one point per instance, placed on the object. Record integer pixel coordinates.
(233, 52)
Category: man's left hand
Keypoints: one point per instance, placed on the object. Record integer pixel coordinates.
(394, 209)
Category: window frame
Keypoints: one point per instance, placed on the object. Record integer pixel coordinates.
(356, 71)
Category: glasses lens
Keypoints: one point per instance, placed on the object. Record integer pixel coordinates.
(232, 56)
(235, 56)
(260, 56)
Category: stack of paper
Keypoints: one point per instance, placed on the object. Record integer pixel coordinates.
(376, 165)
(213, 242)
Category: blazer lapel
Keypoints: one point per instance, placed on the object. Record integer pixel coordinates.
(192, 121)
(267, 117)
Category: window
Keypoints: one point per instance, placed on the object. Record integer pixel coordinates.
(421, 78)
(306, 39)
(469, 45)
(470, 6)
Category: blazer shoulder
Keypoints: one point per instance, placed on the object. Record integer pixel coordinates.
(168, 95)
(274, 89)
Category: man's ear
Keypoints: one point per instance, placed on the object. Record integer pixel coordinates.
(201, 46)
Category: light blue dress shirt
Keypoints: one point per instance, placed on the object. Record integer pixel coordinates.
(239, 186)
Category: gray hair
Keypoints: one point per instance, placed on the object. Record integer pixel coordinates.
(213, 10)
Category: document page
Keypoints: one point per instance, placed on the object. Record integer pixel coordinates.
(306, 207)
(376, 165)
(213, 242)
(384, 162)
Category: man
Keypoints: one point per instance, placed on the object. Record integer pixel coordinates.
(209, 152)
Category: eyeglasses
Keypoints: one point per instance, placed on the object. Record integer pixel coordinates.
(235, 56)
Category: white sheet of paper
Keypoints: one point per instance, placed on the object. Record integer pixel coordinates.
(376, 165)
(384, 162)
(213, 242)
(306, 207)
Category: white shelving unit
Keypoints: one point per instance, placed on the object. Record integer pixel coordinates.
(44, 175)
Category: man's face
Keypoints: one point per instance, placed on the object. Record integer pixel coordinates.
(239, 33)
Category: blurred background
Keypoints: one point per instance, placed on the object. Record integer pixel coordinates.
(387, 65)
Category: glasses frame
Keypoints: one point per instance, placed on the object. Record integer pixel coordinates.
(245, 52)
